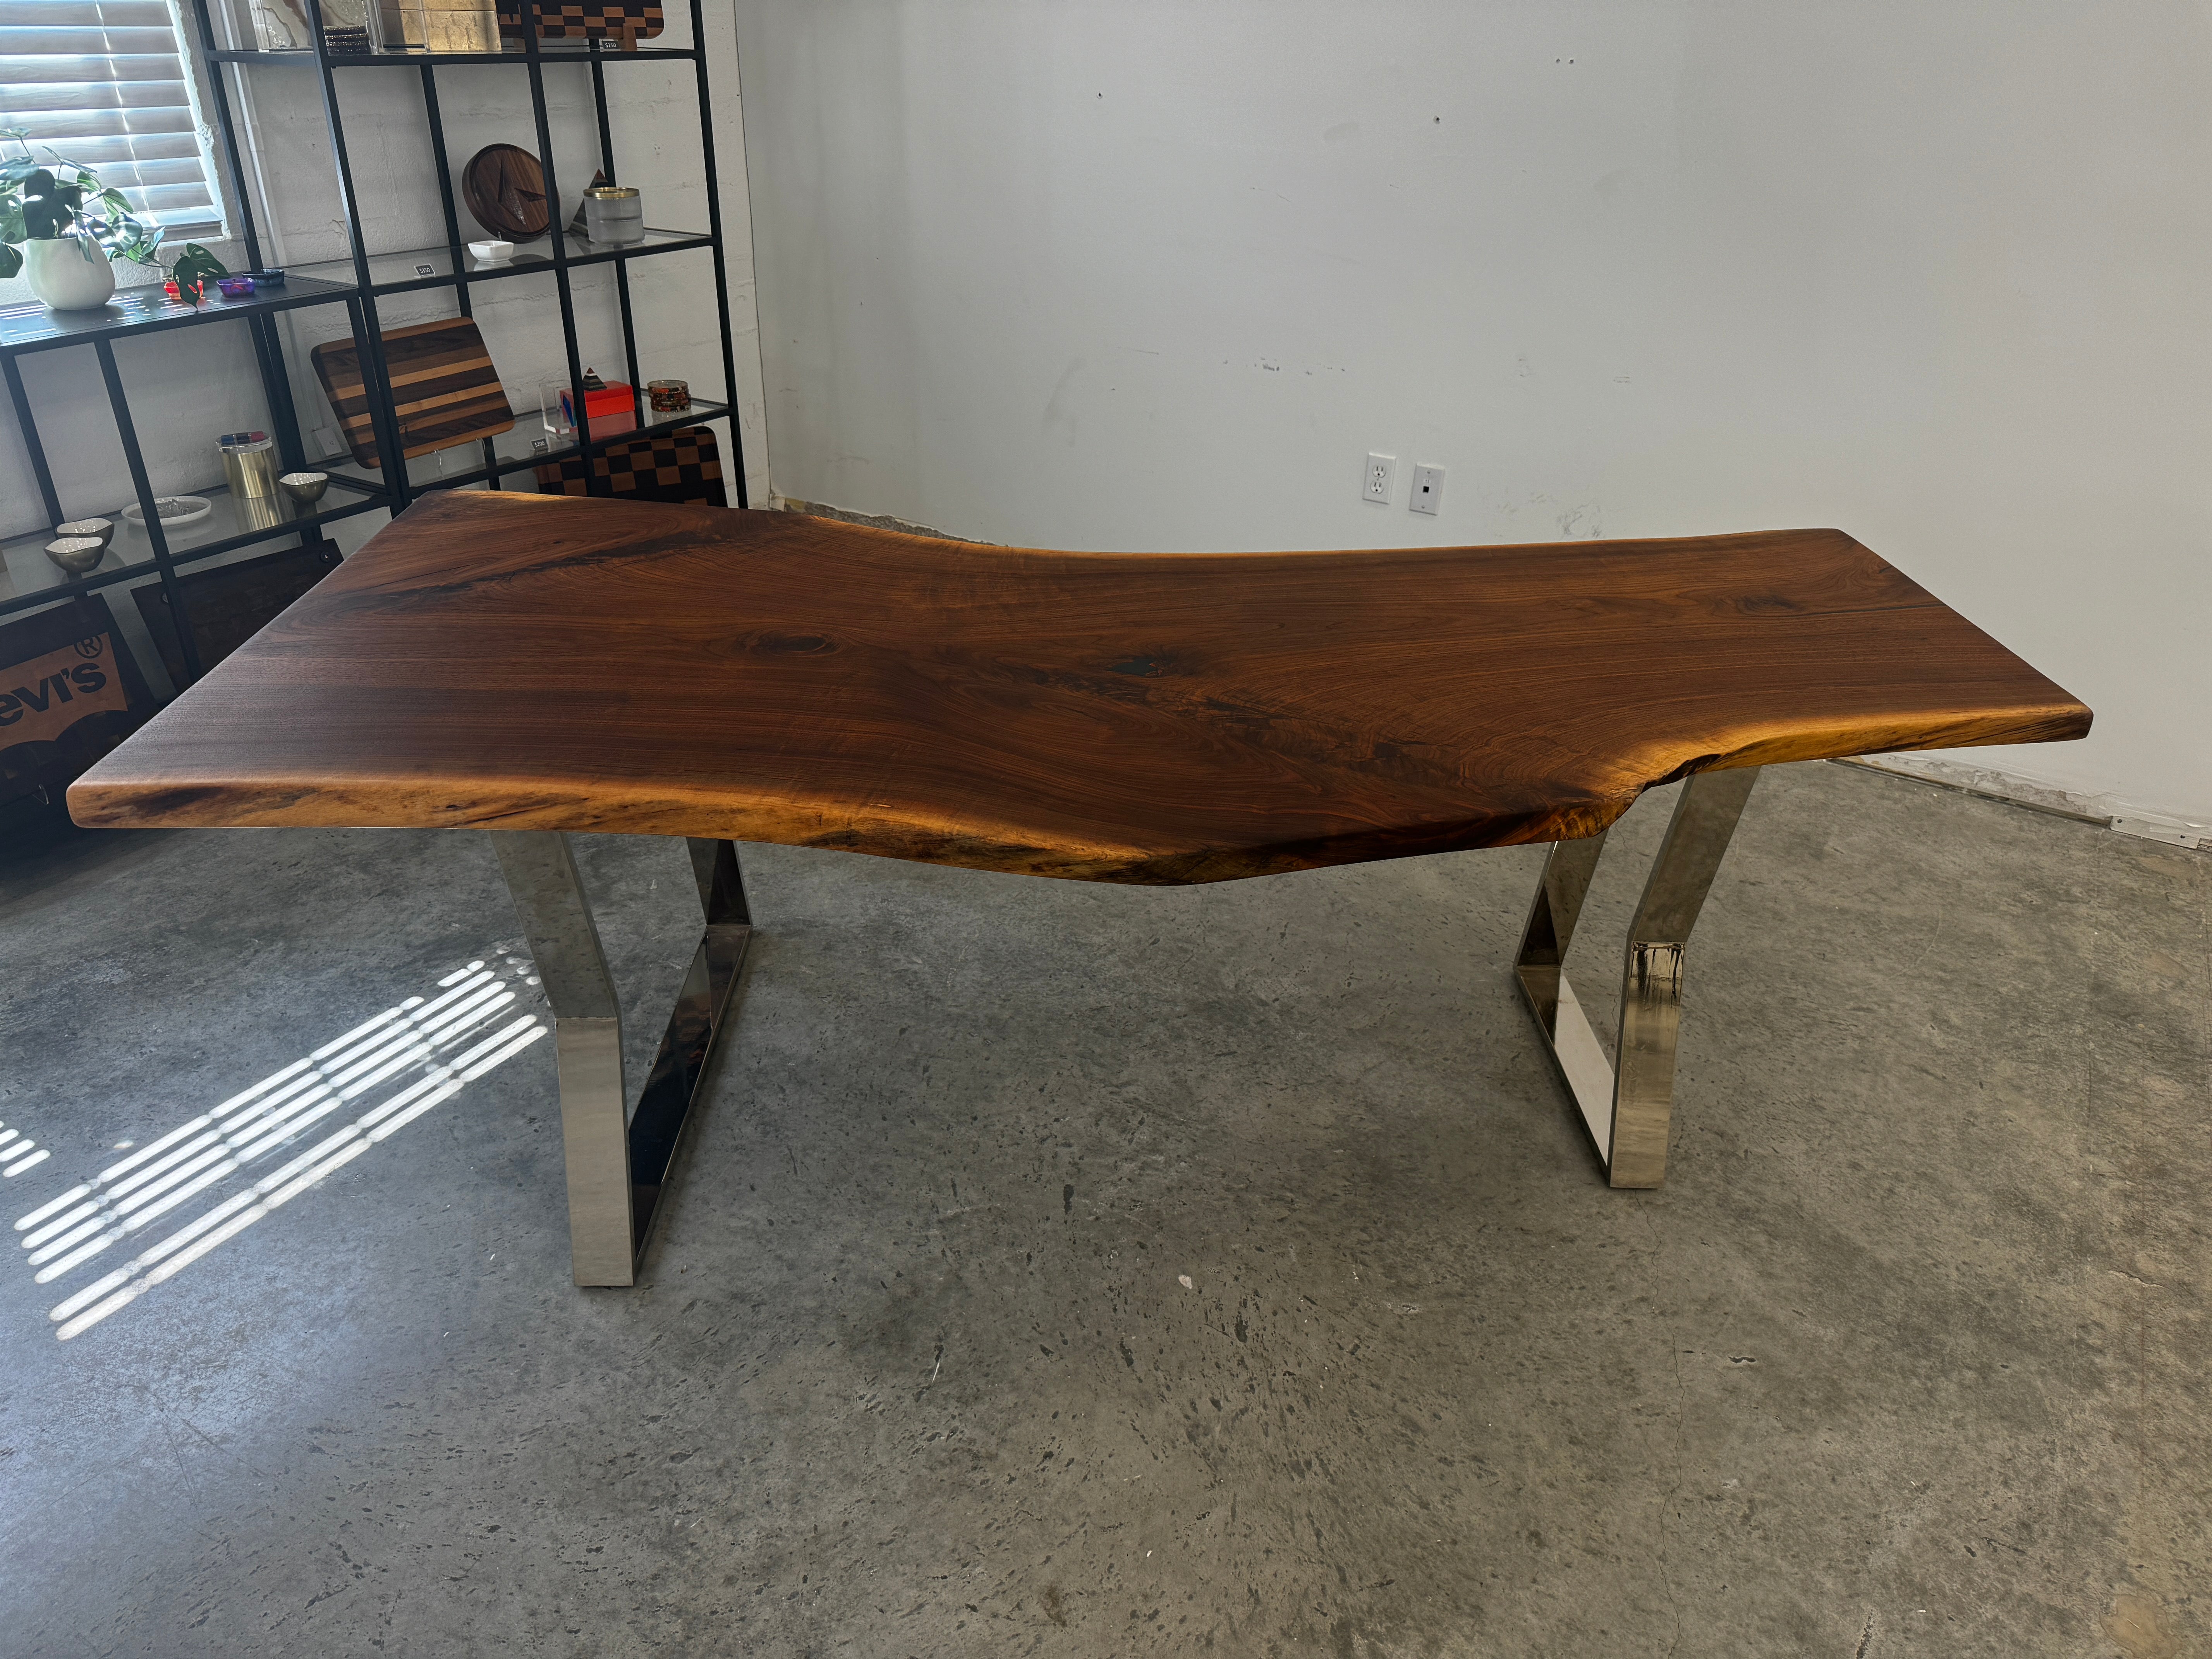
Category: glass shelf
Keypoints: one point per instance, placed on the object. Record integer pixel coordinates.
(29, 326)
(548, 51)
(464, 464)
(30, 578)
(441, 267)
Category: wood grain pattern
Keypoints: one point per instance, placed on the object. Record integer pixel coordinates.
(505, 189)
(444, 388)
(515, 661)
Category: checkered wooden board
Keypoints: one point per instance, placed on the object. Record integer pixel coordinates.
(584, 20)
(444, 388)
(684, 466)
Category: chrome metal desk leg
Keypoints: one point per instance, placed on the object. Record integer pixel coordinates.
(1625, 1109)
(617, 1166)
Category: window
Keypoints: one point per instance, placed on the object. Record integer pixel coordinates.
(107, 82)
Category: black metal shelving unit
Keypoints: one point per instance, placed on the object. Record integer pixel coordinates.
(30, 328)
(357, 282)
(374, 276)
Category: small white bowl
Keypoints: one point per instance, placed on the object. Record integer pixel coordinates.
(102, 530)
(492, 252)
(175, 510)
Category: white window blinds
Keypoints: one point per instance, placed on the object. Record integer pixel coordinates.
(105, 83)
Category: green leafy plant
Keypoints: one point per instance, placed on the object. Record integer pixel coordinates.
(194, 270)
(37, 205)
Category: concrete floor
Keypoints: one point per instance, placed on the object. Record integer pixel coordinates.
(1063, 1269)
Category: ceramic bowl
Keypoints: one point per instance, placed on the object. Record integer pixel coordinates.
(175, 511)
(304, 488)
(77, 554)
(102, 530)
(494, 252)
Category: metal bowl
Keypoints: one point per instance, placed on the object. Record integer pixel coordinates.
(304, 488)
(101, 530)
(77, 554)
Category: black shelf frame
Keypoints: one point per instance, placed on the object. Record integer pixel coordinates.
(533, 56)
(28, 329)
(351, 283)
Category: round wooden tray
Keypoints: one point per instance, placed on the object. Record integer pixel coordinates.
(505, 189)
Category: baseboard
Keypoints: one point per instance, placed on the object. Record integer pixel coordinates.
(872, 520)
(2106, 812)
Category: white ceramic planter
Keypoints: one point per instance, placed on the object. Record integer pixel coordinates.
(63, 277)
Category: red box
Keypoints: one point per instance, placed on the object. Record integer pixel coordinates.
(612, 409)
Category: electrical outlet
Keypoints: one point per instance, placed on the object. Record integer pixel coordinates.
(1428, 490)
(1382, 478)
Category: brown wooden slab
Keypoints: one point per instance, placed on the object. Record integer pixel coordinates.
(629, 20)
(532, 662)
(444, 388)
(684, 466)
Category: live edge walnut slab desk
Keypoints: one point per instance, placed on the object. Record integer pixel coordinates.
(533, 665)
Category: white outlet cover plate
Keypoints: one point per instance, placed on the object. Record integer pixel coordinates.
(1428, 490)
(1380, 479)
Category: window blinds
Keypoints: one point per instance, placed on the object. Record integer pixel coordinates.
(105, 82)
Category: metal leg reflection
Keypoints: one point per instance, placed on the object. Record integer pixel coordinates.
(1626, 1108)
(618, 1166)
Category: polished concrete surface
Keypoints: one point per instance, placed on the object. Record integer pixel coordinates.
(1064, 1269)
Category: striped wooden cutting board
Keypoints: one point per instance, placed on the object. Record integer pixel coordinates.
(444, 388)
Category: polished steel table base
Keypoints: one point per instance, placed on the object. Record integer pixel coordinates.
(1626, 1112)
(618, 1165)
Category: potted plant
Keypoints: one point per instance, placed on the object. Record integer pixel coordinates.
(64, 231)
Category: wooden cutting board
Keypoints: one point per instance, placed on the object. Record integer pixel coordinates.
(684, 466)
(626, 21)
(444, 388)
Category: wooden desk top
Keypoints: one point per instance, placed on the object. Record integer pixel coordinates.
(530, 662)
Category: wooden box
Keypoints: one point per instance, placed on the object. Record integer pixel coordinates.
(70, 691)
(231, 602)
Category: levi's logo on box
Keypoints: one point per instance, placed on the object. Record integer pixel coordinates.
(42, 698)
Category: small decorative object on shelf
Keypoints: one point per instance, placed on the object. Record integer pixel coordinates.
(553, 410)
(669, 397)
(611, 406)
(578, 225)
(628, 22)
(194, 270)
(176, 511)
(614, 213)
(494, 252)
(450, 25)
(351, 27)
(265, 278)
(280, 25)
(505, 189)
(68, 228)
(101, 530)
(306, 489)
(235, 287)
(77, 554)
(249, 463)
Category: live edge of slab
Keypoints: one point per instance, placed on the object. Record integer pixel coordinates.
(500, 660)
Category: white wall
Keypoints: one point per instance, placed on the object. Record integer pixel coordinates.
(1160, 273)
(186, 387)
